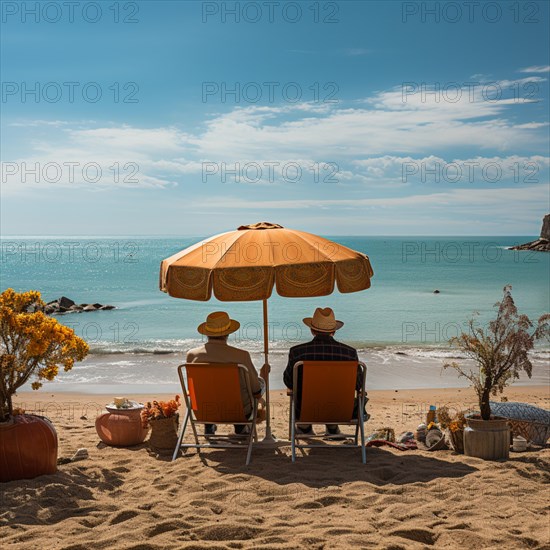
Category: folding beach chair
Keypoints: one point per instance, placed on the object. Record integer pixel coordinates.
(327, 397)
(214, 397)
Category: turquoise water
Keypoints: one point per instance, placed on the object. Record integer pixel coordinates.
(399, 325)
(400, 307)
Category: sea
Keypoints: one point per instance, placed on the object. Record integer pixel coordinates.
(400, 326)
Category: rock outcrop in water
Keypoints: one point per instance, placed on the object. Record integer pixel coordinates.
(542, 244)
(66, 305)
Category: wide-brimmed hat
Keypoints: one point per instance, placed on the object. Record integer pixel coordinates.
(323, 320)
(218, 323)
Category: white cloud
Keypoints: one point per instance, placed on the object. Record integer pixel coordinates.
(402, 120)
(498, 199)
(536, 69)
(370, 141)
(357, 51)
(512, 169)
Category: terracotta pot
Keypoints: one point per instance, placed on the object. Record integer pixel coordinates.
(28, 447)
(121, 428)
(164, 435)
(487, 439)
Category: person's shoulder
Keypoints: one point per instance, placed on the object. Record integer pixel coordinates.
(298, 348)
(194, 352)
(347, 347)
(238, 352)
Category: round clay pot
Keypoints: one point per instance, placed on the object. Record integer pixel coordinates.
(121, 428)
(28, 447)
(487, 439)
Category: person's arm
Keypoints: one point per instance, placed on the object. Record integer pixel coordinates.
(253, 374)
(288, 376)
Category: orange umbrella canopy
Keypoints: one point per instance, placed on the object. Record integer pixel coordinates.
(245, 264)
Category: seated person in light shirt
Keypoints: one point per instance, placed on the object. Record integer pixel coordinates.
(217, 327)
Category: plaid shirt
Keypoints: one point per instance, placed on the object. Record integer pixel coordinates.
(323, 347)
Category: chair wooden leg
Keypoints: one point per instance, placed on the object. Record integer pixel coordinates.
(180, 436)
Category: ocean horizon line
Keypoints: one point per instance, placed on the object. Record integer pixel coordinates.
(175, 236)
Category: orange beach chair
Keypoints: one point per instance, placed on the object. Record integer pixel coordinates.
(327, 397)
(214, 397)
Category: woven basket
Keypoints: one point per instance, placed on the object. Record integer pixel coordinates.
(457, 440)
(534, 432)
(164, 435)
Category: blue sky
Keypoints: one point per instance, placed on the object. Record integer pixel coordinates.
(369, 118)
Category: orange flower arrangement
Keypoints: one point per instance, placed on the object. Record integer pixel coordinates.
(454, 422)
(159, 409)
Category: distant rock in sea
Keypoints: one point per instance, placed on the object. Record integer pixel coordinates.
(65, 305)
(542, 244)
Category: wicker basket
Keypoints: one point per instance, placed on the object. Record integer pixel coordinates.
(534, 432)
(456, 439)
(164, 435)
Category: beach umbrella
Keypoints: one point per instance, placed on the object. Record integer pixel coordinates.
(246, 264)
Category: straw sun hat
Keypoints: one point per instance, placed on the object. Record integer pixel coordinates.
(218, 323)
(323, 320)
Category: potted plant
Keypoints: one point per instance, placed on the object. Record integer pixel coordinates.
(32, 348)
(500, 352)
(162, 417)
(454, 424)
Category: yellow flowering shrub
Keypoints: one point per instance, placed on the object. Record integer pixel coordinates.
(33, 346)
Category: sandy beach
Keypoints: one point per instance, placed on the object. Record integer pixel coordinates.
(126, 498)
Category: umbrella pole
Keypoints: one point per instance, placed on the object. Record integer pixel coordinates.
(268, 437)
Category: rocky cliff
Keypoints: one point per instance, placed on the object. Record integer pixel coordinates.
(542, 244)
(545, 231)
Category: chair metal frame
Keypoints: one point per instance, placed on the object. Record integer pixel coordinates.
(359, 422)
(251, 437)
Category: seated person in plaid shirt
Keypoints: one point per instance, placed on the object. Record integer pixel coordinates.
(323, 347)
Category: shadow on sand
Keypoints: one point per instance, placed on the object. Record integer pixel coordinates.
(53, 498)
(333, 467)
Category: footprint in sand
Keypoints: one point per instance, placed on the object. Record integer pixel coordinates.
(459, 526)
(168, 526)
(310, 505)
(92, 522)
(330, 500)
(419, 535)
(120, 470)
(125, 515)
(228, 532)
(338, 532)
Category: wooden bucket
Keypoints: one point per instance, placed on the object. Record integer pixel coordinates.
(457, 440)
(487, 439)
